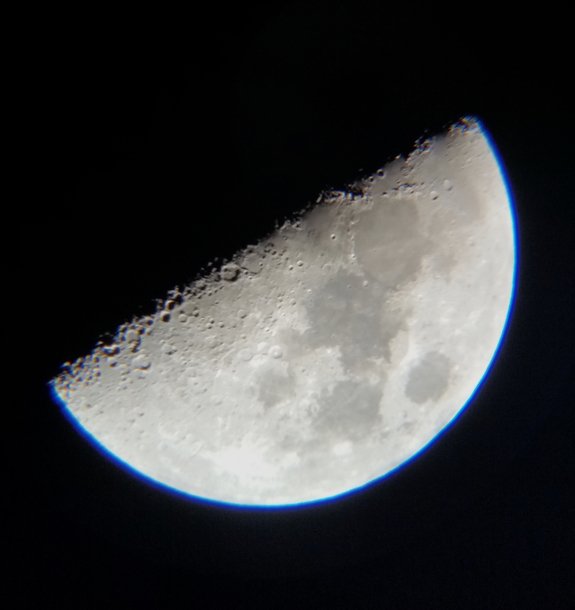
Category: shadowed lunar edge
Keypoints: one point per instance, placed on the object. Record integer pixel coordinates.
(326, 355)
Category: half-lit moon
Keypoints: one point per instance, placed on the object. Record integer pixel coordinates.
(325, 356)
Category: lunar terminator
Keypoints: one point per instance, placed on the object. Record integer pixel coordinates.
(328, 354)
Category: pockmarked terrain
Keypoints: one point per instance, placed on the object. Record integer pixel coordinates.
(326, 355)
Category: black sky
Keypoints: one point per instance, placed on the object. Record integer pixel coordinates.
(155, 149)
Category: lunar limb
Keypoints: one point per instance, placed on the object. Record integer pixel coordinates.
(326, 355)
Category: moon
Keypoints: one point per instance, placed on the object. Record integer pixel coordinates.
(328, 354)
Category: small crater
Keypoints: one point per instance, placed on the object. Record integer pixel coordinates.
(229, 272)
(141, 362)
(211, 341)
(245, 355)
(276, 351)
(132, 336)
(169, 349)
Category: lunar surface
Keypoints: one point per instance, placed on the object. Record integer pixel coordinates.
(328, 354)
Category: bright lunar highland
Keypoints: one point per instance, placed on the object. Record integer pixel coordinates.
(326, 355)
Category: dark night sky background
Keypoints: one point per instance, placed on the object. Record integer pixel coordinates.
(156, 148)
